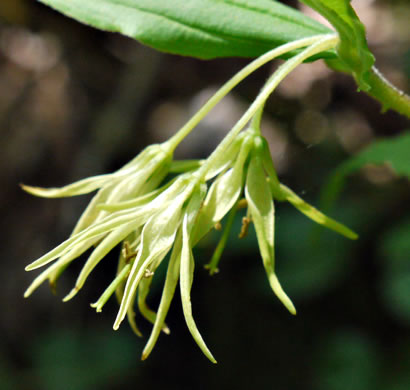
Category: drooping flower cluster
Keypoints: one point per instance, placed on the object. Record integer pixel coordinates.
(153, 215)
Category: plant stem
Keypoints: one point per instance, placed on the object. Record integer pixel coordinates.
(175, 140)
(326, 42)
(257, 118)
(387, 94)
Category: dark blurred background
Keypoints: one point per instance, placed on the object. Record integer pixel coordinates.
(76, 102)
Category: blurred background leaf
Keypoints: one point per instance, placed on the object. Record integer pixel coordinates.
(393, 152)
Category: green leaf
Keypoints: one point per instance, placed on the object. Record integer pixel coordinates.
(394, 260)
(391, 151)
(354, 54)
(197, 28)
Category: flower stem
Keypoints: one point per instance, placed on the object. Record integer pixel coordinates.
(176, 139)
(387, 94)
(326, 42)
(257, 118)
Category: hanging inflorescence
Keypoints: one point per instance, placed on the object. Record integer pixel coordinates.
(154, 215)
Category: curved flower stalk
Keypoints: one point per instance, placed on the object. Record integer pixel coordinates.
(153, 216)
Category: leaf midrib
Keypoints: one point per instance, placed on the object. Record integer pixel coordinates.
(218, 35)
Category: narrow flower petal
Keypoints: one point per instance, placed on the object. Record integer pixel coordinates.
(150, 315)
(182, 166)
(91, 214)
(78, 188)
(227, 159)
(267, 162)
(154, 153)
(315, 215)
(129, 251)
(168, 292)
(131, 317)
(259, 197)
(186, 279)
(144, 180)
(109, 242)
(52, 272)
(222, 195)
(137, 201)
(105, 226)
(157, 238)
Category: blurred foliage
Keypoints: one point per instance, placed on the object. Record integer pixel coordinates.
(395, 284)
(75, 102)
(394, 153)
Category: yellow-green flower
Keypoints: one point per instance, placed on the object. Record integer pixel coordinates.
(140, 176)
(152, 216)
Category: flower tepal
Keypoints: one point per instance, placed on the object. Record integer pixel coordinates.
(137, 178)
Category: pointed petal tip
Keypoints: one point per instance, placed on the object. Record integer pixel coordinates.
(71, 294)
(144, 356)
(26, 187)
(286, 302)
(33, 266)
(292, 310)
(37, 191)
(353, 235)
